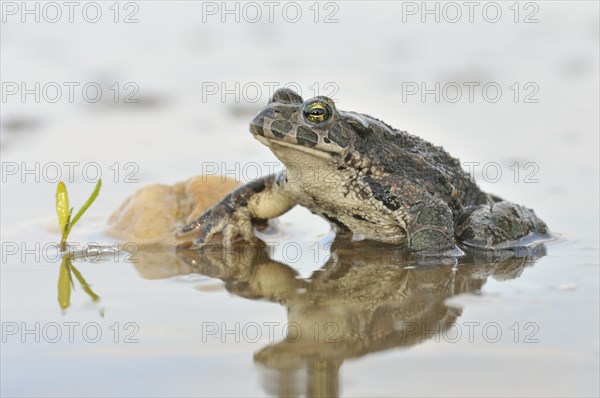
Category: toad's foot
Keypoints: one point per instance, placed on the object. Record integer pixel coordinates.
(235, 215)
(232, 224)
(503, 225)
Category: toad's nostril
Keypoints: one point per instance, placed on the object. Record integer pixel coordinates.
(269, 112)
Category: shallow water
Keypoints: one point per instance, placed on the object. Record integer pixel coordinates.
(301, 317)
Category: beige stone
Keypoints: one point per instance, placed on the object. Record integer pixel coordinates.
(153, 213)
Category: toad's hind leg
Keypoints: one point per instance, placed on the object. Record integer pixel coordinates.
(503, 225)
(430, 227)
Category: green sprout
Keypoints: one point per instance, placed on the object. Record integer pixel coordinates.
(64, 212)
(67, 269)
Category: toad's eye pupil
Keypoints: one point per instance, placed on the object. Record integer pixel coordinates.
(317, 112)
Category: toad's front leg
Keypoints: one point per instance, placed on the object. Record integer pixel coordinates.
(234, 215)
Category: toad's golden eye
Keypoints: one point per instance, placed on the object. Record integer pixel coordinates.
(317, 112)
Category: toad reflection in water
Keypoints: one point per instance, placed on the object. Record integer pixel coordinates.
(366, 298)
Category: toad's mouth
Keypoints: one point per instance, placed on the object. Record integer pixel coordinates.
(275, 144)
